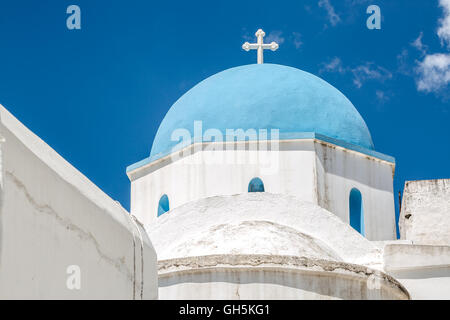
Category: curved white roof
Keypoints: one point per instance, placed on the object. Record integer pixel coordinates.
(258, 223)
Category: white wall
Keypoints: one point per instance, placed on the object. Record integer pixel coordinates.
(423, 269)
(340, 170)
(51, 217)
(199, 176)
(309, 169)
(272, 278)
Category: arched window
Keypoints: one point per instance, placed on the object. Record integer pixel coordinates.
(163, 205)
(256, 185)
(356, 211)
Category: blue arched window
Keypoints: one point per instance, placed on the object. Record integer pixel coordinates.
(256, 185)
(163, 205)
(356, 211)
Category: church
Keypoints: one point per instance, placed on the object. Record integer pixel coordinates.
(263, 182)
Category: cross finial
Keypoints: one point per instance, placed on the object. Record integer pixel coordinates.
(260, 45)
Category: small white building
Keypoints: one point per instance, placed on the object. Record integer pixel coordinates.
(311, 143)
(263, 182)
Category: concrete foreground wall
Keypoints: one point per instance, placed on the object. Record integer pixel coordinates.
(53, 220)
(425, 214)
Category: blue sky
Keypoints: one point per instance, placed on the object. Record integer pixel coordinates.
(97, 95)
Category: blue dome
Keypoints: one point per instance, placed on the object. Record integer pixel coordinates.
(264, 96)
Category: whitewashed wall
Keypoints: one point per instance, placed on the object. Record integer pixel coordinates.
(273, 277)
(320, 173)
(199, 176)
(425, 215)
(52, 217)
(423, 269)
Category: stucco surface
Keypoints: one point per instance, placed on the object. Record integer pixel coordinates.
(423, 269)
(214, 173)
(311, 170)
(272, 277)
(258, 223)
(425, 215)
(265, 96)
(53, 217)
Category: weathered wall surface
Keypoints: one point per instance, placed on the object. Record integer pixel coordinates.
(340, 170)
(240, 277)
(258, 223)
(53, 217)
(425, 215)
(312, 171)
(423, 269)
(224, 172)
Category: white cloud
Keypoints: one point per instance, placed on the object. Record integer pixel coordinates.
(297, 39)
(332, 15)
(276, 36)
(248, 36)
(403, 63)
(369, 71)
(434, 72)
(361, 73)
(419, 45)
(444, 27)
(382, 96)
(335, 65)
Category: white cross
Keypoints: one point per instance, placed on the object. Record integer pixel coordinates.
(260, 45)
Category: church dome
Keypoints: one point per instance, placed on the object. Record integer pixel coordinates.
(264, 96)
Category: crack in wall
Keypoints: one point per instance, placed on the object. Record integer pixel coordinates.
(68, 225)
